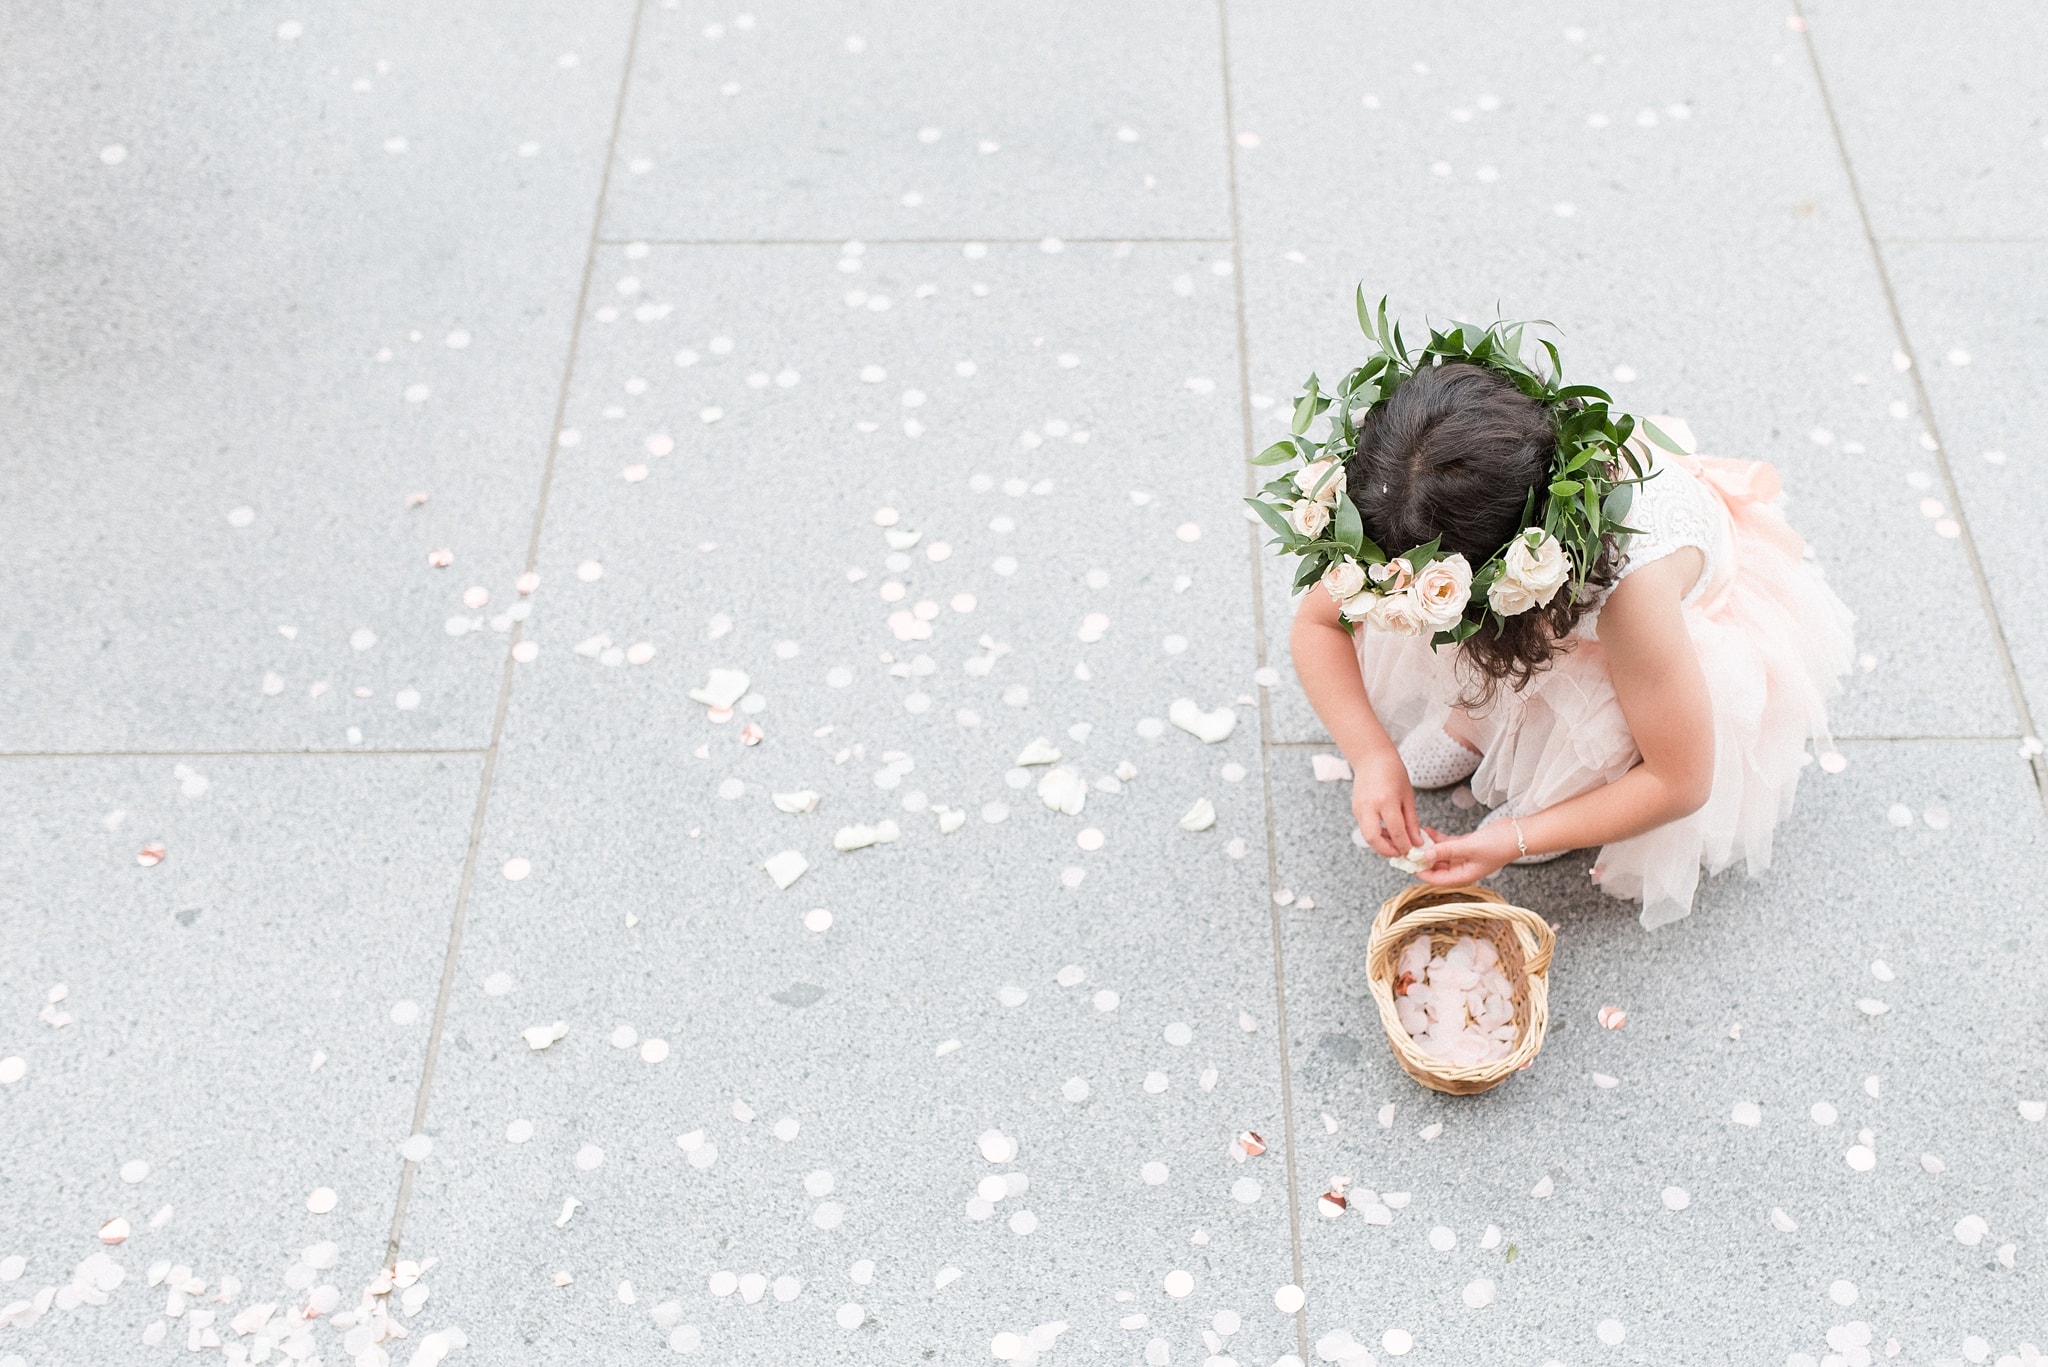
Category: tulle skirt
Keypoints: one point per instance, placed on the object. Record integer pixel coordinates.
(1773, 641)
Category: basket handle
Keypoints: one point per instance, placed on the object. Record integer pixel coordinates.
(1538, 940)
(1532, 930)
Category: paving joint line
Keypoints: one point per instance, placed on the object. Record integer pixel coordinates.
(896, 241)
(1273, 909)
(483, 796)
(2036, 763)
(1963, 241)
(232, 754)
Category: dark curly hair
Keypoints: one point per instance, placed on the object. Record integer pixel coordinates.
(1453, 453)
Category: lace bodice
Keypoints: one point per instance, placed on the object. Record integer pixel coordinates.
(1672, 511)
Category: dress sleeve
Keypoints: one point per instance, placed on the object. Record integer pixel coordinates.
(1672, 510)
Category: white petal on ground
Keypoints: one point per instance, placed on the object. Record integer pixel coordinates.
(1063, 790)
(1208, 727)
(722, 688)
(785, 868)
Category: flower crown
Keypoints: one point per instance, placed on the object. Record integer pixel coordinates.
(1422, 591)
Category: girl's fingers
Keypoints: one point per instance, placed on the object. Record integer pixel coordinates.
(1449, 875)
(1411, 828)
(1453, 864)
(1397, 830)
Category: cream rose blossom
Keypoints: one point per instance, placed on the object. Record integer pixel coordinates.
(1309, 475)
(1359, 607)
(1509, 597)
(1343, 581)
(1442, 589)
(1529, 576)
(1310, 519)
(1398, 613)
(1394, 575)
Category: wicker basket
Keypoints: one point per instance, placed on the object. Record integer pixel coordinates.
(1522, 938)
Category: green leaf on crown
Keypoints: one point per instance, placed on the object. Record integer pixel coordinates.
(1305, 408)
(1450, 636)
(1616, 505)
(1275, 519)
(1312, 567)
(1350, 529)
(1656, 434)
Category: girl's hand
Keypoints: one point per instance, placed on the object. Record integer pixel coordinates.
(1469, 858)
(1383, 804)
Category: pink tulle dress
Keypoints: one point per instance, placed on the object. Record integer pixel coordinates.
(1773, 640)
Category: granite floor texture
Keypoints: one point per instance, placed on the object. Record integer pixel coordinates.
(408, 409)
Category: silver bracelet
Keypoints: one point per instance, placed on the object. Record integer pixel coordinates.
(1520, 843)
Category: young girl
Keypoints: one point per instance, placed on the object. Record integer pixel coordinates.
(1649, 688)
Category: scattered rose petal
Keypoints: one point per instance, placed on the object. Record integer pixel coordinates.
(539, 1037)
(1209, 727)
(785, 868)
(1063, 790)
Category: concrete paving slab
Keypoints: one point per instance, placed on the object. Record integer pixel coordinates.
(1701, 240)
(1945, 113)
(1975, 313)
(1611, 1119)
(232, 1030)
(1028, 972)
(813, 120)
(269, 286)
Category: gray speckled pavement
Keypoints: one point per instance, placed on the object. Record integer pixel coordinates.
(905, 358)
